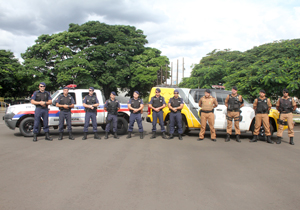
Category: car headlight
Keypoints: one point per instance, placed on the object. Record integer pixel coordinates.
(10, 110)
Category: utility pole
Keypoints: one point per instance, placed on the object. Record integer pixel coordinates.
(177, 74)
(171, 72)
(161, 75)
(166, 74)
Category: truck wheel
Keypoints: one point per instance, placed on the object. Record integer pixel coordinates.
(122, 126)
(176, 129)
(26, 127)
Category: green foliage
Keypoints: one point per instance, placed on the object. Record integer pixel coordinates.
(13, 77)
(107, 56)
(273, 67)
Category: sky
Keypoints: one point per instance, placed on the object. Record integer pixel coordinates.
(188, 29)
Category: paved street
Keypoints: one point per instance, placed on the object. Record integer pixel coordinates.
(147, 174)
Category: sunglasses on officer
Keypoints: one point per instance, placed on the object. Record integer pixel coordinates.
(42, 86)
(176, 93)
(91, 90)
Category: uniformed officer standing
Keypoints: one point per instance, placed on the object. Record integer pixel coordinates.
(112, 106)
(233, 102)
(65, 102)
(157, 103)
(262, 105)
(175, 105)
(90, 102)
(207, 103)
(41, 99)
(286, 105)
(135, 106)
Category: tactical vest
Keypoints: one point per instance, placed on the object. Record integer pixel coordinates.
(90, 100)
(65, 101)
(262, 106)
(112, 107)
(157, 102)
(234, 103)
(135, 104)
(207, 103)
(286, 105)
(42, 97)
(175, 102)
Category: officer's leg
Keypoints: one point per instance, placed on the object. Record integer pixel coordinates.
(258, 119)
(266, 124)
(86, 122)
(131, 122)
(94, 121)
(290, 125)
(139, 121)
(37, 119)
(237, 123)
(68, 120)
(229, 123)
(211, 123)
(108, 120)
(61, 122)
(45, 116)
(179, 125)
(161, 121)
(280, 127)
(203, 125)
(154, 121)
(115, 124)
(172, 123)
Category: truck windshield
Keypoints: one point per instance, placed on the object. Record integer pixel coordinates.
(54, 94)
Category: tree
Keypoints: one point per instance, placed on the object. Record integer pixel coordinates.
(13, 78)
(93, 53)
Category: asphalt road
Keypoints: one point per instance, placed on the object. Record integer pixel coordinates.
(147, 174)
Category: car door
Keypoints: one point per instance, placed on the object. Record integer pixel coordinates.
(220, 111)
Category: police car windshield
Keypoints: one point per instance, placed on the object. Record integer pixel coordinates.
(246, 103)
(54, 94)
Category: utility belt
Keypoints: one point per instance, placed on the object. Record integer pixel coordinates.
(285, 112)
(206, 111)
(262, 112)
(234, 110)
(65, 110)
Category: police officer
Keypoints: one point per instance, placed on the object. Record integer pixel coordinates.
(135, 106)
(175, 105)
(233, 102)
(262, 105)
(286, 105)
(112, 106)
(65, 102)
(90, 102)
(207, 103)
(41, 99)
(157, 103)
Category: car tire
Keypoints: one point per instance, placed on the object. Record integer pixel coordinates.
(122, 126)
(26, 127)
(262, 136)
(184, 130)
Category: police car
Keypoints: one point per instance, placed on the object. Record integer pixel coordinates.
(22, 116)
(190, 112)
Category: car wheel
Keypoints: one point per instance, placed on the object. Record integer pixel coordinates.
(176, 129)
(262, 134)
(122, 126)
(26, 127)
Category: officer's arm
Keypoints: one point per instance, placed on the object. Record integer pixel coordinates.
(180, 107)
(200, 102)
(255, 104)
(278, 104)
(242, 101)
(118, 105)
(95, 105)
(86, 105)
(130, 107)
(141, 107)
(215, 103)
(169, 105)
(294, 105)
(269, 104)
(226, 101)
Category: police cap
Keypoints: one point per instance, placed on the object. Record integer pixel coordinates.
(43, 83)
(262, 91)
(285, 90)
(113, 92)
(207, 90)
(158, 90)
(66, 88)
(176, 91)
(234, 87)
(137, 92)
(91, 88)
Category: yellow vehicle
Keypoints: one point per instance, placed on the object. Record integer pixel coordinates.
(190, 111)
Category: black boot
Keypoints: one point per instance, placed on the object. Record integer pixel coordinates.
(47, 137)
(164, 135)
(129, 135)
(34, 137)
(116, 135)
(278, 140)
(153, 135)
(60, 137)
(238, 138)
(141, 135)
(179, 137)
(227, 139)
(214, 140)
(269, 140)
(199, 139)
(254, 139)
(96, 136)
(171, 136)
(71, 136)
(84, 136)
(292, 140)
(106, 135)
